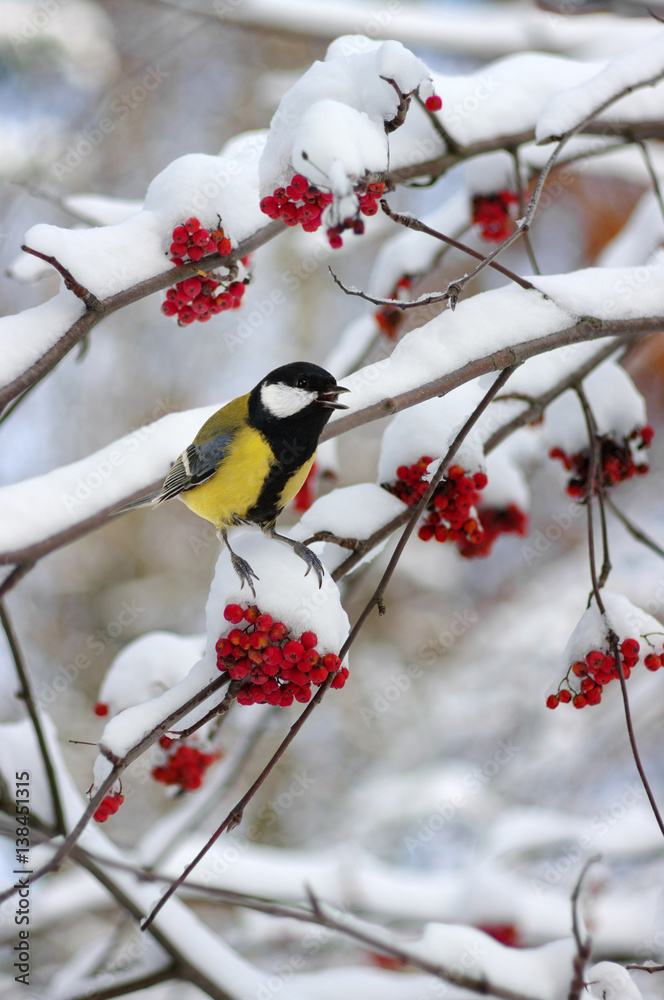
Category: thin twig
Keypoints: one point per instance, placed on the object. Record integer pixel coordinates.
(217, 712)
(522, 209)
(421, 227)
(593, 463)
(449, 140)
(635, 532)
(582, 947)
(653, 176)
(595, 481)
(79, 290)
(26, 695)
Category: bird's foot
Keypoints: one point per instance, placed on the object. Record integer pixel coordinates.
(311, 559)
(244, 571)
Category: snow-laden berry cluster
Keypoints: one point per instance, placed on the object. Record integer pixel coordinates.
(302, 204)
(492, 214)
(451, 513)
(201, 296)
(275, 667)
(185, 764)
(597, 669)
(619, 460)
(108, 807)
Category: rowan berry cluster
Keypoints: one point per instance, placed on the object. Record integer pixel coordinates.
(596, 670)
(617, 462)
(201, 296)
(390, 318)
(302, 204)
(185, 765)
(108, 806)
(492, 213)
(275, 667)
(451, 514)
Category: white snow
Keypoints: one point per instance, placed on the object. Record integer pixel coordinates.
(611, 981)
(147, 666)
(627, 70)
(27, 336)
(626, 620)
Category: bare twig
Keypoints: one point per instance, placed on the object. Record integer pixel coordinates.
(449, 140)
(653, 176)
(522, 209)
(217, 712)
(25, 694)
(635, 532)
(594, 485)
(79, 290)
(582, 947)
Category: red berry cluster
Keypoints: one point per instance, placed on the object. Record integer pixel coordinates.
(492, 213)
(390, 318)
(510, 520)
(297, 204)
(199, 297)
(192, 241)
(595, 671)
(274, 667)
(185, 765)
(300, 203)
(448, 518)
(617, 462)
(108, 807)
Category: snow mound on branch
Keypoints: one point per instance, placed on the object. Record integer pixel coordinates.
(330, 126)
(617, 405)
(626, 620)
(429, 429)
(610, 981)
(630, 69)
(147, 666)
(282, 590)
(109, 259)
(27, 336)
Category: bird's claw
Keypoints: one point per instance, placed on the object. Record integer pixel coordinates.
(244, 571)
(311, 559)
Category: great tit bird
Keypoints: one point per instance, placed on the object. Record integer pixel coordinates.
(251, 457)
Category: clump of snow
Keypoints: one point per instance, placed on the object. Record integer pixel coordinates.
(352, 512)
(626, 619)
(330, 126)
(617, 405)
(27, 336)
(611, 981)
(490, 173)
(147, 666)
(627, 70)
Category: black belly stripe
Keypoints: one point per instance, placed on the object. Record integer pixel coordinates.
(290, 454)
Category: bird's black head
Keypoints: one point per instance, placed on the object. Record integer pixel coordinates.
(295, 397)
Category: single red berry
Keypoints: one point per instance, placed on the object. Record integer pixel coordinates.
(165, 742)
(318, 675)
(195, 253)
(564, 696)
(579, 701)
(252, 614)
(278, 632)
(259, 640)
(480, 479)
(224, 247)
(331, 661)
(192, 225)
(629, 648)
(180, 234)
(433, 103)
(552, 701)
(100, 708)
(272, 656)
(309, 660)
(178, 249)
(169, 308)
(264, 623)
(223, 647)
(293, 651)
(309, 640)
(426, 532)
(201, 238)
(340, 679)
(652, 661)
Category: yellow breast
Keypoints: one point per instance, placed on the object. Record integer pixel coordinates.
(234, 488)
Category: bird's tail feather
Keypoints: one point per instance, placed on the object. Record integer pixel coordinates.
(147, 501)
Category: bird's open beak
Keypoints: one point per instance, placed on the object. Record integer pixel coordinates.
(329, 399)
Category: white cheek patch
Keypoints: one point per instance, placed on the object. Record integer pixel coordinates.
(284, 400)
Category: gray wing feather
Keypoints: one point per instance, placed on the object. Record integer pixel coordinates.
(196, 465)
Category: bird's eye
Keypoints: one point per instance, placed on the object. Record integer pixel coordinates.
(301, 383)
